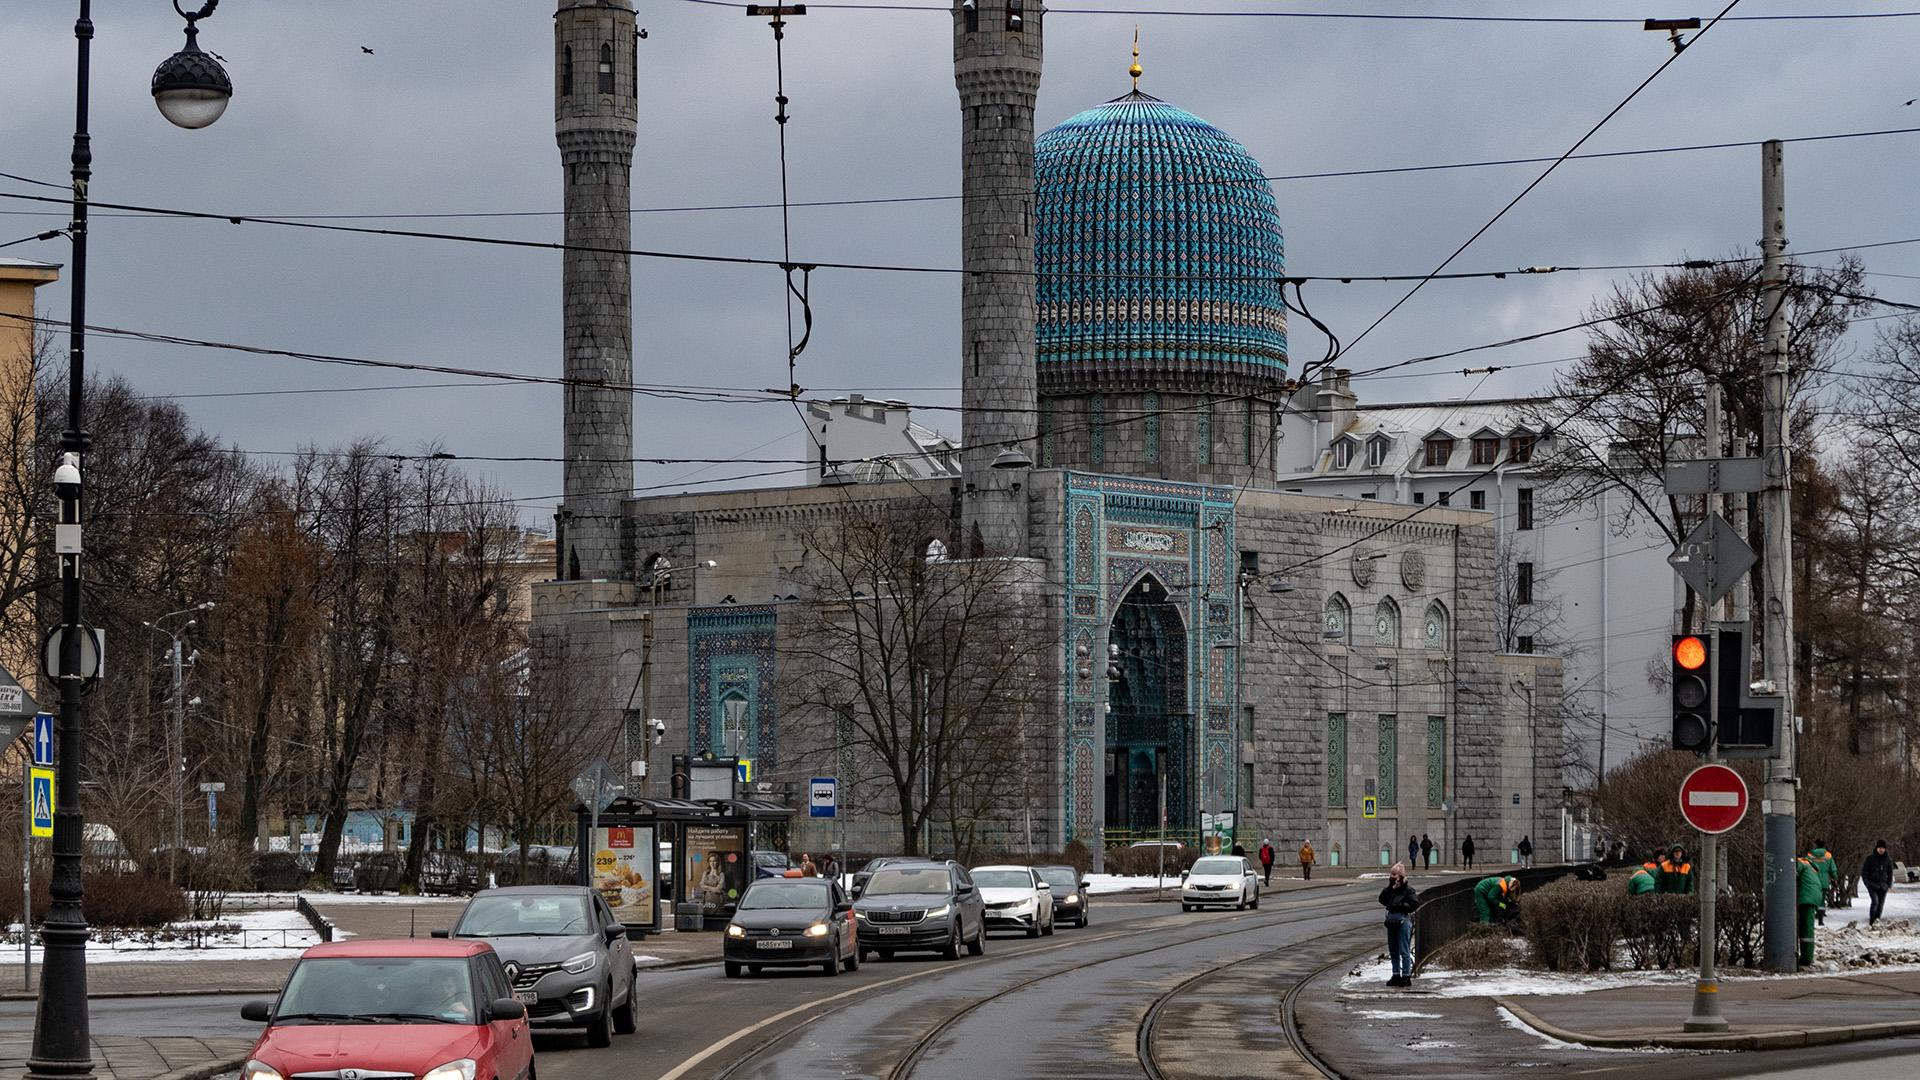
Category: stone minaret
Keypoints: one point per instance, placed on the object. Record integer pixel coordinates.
(996, 64)
(595, 107)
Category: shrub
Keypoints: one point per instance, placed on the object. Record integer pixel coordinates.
(1659, 930)
(1572, 925)
(110, 900)
(1479, 948)
(1145, 861)
(1741, 922)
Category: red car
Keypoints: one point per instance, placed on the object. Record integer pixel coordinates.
(433, 1009)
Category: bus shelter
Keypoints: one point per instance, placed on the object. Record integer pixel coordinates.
(702, 844)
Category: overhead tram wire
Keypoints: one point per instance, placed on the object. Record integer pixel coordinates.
(1366, 16)
(910, 199)
(1548, 171)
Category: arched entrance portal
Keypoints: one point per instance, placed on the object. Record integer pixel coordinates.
(1148, 727)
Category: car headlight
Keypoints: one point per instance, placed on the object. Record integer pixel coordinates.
(736, 930)
(1071, 898)
(452, 1070)
(818, 929)
(574, 965)
(940, 912)
(255, 1069)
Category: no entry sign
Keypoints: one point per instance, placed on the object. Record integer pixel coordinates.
(1713, 798)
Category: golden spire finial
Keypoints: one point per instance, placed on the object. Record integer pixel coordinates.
(1135, 69)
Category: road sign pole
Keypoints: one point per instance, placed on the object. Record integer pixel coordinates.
(26, 875)
(1706, 990)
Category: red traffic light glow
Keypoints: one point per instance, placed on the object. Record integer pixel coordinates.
(1690, 653)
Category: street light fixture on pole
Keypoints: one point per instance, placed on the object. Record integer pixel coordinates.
(62, 1044)
(176, 727)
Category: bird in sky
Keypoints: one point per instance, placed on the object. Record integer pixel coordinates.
(366, 50)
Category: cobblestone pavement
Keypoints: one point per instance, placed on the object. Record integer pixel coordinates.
(129, 1057)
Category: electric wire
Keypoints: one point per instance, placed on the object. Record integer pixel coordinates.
(1225, 13)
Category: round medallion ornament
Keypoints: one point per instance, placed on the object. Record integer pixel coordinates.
(1361, 565)
(1413, 570)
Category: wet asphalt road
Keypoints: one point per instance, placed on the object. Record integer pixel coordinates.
(209, 1015)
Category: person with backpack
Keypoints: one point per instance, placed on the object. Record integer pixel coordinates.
(1401, 902)
(1266, 861)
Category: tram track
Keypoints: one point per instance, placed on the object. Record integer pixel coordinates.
(821, 1010)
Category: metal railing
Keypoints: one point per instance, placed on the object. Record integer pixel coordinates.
(320, 923)
(1447, 910)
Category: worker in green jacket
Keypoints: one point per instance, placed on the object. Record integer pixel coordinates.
(1807, 880)
(1676, 873)
(1495, 900)
(1641, 883)
(1829, 870)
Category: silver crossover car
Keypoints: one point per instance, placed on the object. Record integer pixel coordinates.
(563, 950)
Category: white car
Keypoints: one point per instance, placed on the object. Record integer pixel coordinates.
(1016, 899)
(1219, 881)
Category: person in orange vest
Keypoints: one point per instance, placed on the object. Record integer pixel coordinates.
(1676, 873)
(1306, 860)
(1809, 893)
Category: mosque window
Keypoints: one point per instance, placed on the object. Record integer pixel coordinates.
(1338, 617)
(566, 72)
(606, 69)
(1386, 624)
(1433, 630)
(633, 64)
(971, 11)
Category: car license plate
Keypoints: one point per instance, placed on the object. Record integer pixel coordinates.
(775, 944)
(527, 997)
(891, 929)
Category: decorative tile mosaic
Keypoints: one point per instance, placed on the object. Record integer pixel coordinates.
(730, 656)
(1389, 764)
(1152, 423)
(1436, 761)
(1337, 759)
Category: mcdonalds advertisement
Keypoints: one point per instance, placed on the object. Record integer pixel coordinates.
(625, 864)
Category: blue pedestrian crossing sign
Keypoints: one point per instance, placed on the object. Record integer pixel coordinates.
(1369, 806)
(40, 801)
(43, 739)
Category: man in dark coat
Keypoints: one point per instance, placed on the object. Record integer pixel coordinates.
(1426, 851)
(1413, 850)
(1526, 851)
(1401, 902)
(1466, 850)
(1877, 875)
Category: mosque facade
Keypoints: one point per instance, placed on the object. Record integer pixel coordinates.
(1219, 651)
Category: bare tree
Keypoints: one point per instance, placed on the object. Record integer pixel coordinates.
(544, 722)
(921, 668)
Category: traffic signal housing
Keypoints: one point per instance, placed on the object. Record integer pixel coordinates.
(1745, 724)
(1692, 692)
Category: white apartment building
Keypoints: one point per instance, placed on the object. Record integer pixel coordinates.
(1573, 585)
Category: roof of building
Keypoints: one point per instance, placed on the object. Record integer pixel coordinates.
(1158, 250)
(1461, 419)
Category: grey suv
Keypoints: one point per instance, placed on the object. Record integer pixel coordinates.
(912, 906)
(565, 953)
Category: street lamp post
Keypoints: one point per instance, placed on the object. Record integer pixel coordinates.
(189, 94)
(176, 727)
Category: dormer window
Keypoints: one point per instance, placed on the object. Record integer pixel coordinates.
(1343, 453)
(1376, 453)
(606, 69)
(1439, 451)
(1521, 446)
(1486, 449)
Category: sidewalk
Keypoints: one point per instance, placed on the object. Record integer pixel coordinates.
(1762, 1014)
(126, 1057)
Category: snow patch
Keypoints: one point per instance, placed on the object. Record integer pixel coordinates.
(1394, 1014)
(1424, 1043)
(280, 934)
(1113, 883)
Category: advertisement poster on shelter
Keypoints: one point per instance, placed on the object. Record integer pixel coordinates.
(716, 866)
(625, 864)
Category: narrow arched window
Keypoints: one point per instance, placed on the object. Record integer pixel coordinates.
(1433, 629)
(1386, 624)
(1337, 619)
(606, 69)
(566, 72)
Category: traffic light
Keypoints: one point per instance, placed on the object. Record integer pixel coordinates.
(1692, 692)
(1743, 721)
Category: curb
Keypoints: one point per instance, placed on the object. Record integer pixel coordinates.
(202, 1072)
(1779, 1039)
(101, 995)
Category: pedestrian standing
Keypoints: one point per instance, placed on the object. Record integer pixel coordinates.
(1426, 851)
(1675, 872)
(1413, 850)
(1877, 874)
(807, 868)
(1807, 892)
(1526, 851)
(1466, 851)
(1401, 902)
(1306, 860)
(1266, 861)
(1823, 862)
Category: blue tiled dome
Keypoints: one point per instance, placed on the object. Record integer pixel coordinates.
(1159, 254)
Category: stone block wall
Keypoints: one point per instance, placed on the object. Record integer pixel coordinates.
(1193, 438)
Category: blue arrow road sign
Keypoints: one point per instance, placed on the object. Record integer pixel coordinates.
(823, 796)
(40, 800)
(43, 738)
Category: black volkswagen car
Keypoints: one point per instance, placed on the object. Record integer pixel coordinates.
(792, 922)
(1070, 902)
(914, 906)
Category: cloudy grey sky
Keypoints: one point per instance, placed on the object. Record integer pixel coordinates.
(452, 112)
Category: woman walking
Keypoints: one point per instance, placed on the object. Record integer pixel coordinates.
(1401, 902)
